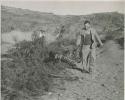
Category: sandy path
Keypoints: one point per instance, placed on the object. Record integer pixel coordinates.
(104, 83)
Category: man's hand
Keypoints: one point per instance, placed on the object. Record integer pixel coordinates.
(101, 44)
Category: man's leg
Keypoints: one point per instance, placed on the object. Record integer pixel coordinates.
(93, 56)
(86, 59)
(93, 63)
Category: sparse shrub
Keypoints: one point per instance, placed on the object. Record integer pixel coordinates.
(27, 71)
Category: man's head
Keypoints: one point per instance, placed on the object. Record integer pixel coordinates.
(42, 31)
(87, 24)
(62, 26)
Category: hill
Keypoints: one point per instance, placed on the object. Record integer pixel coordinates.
(27, 20)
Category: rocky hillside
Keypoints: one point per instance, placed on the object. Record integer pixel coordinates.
(27, 20)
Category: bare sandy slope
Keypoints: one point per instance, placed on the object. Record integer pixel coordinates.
(10, 38)
(106, 82)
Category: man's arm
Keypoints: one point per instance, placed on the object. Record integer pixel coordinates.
(98, 38)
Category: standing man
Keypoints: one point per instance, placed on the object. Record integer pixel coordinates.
(61, 31)
(38, 34)
(88, 37)
(41, 33)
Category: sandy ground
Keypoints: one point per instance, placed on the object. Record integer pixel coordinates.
(10, 38)
(106, 82)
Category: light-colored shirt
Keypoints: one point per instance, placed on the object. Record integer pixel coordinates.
(41, 34)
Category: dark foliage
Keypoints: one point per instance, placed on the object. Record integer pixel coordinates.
(32, 63)
(120, 41)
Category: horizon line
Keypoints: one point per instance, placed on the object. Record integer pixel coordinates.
(59, 14)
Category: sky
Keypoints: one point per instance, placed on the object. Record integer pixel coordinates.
(68, 7)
